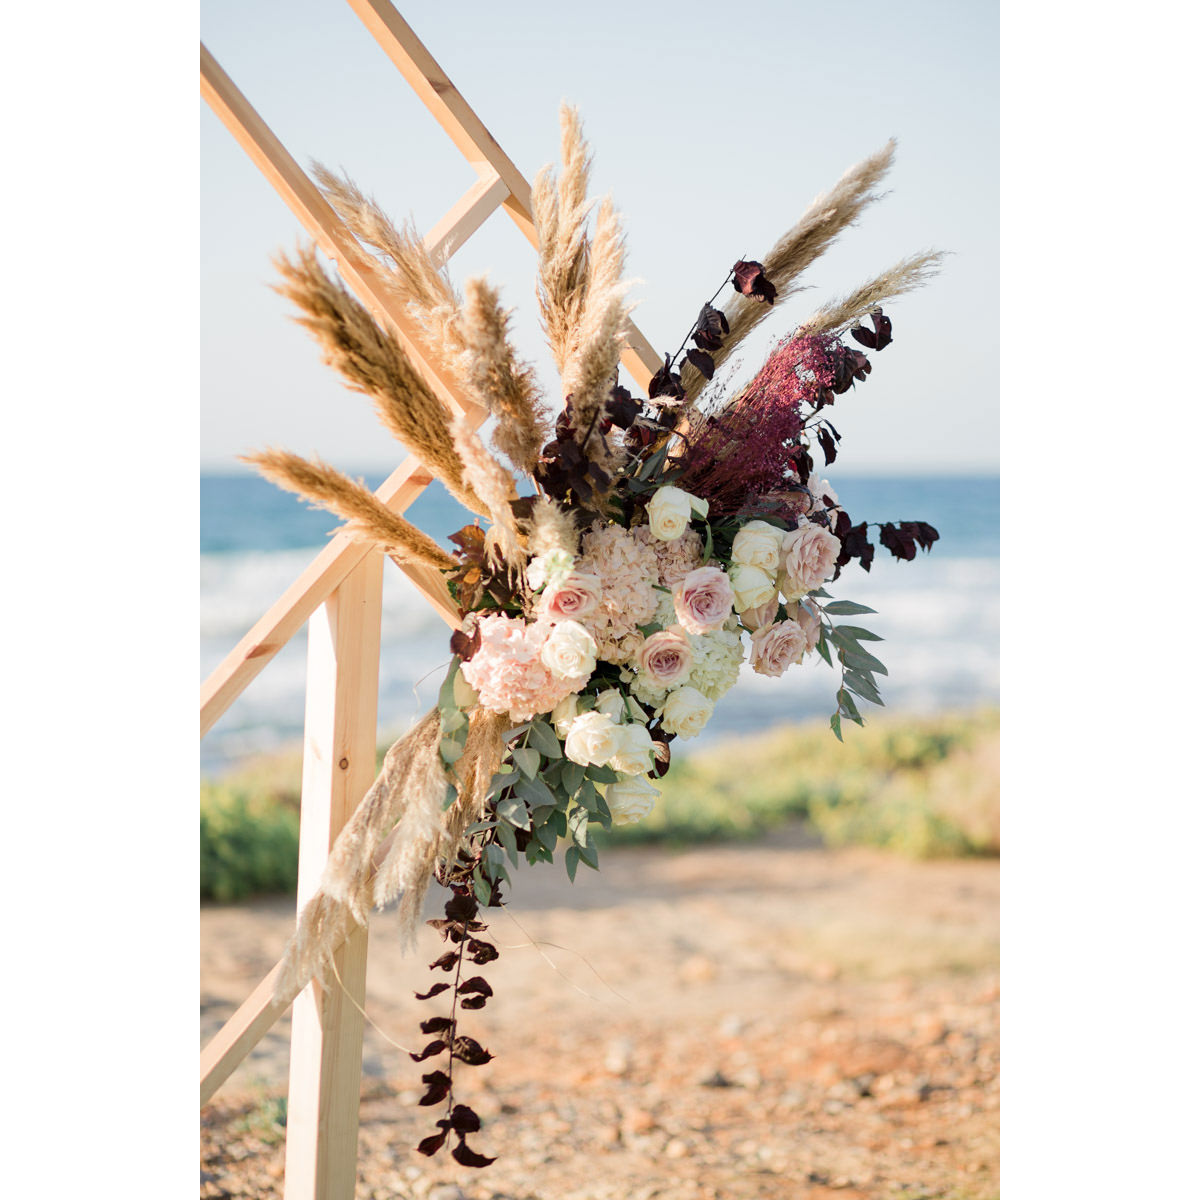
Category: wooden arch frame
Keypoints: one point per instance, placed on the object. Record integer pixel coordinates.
(339, 596)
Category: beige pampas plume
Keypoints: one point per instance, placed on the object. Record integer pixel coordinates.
(366, 515)
(827, 216)
(506, 385)
(552, 528)
(494, 485)
(905, 276)
(373, 362)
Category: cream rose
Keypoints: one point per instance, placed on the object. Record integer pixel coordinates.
(592, 739)
(666, 658)
(612, 704)
(757, 545)
(703, 600)
(752, 587)
(571, 597)
(570, 651)
(670, 512)
(629, 800)
(548, 567)
(775, 647)
(635, 753)
(686, 712)
(809, 556)
(563, 713)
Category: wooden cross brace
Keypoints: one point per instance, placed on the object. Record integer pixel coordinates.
(339, 595)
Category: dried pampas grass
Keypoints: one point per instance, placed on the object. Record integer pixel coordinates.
(905, 276)
(495, 485)
(827, 216)
(366, 515)
(504, 383)
(372, 361)
(552, 527)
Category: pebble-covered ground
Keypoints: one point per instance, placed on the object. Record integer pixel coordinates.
(758, 1021)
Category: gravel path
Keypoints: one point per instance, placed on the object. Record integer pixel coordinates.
(755, 1021)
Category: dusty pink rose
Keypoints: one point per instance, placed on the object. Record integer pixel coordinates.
(774, 648)
(764, 614)
(807, 559)
(808, 621)
(703, 600)
(666, 658)
(574, 598)
(507, 670)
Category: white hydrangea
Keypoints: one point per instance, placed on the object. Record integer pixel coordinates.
(645, 691)
(717, 659)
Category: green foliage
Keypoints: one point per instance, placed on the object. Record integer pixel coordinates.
(249, 843)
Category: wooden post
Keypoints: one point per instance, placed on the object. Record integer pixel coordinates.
(339, 766)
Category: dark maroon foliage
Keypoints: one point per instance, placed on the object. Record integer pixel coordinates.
(903, 538)
(879, 337)
(665, 385)
(703, 362)
(749, 279)
(711, 325)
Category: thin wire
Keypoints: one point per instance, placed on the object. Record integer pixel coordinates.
(538, 947)
(364, 1011)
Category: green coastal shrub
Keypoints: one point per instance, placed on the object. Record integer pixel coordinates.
(249, 843)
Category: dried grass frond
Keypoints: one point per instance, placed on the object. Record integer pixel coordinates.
(366, 515)
(552, 528)
(495, 485)
(373, 362)
(826, 217)
(905, 276)
(323, 925)
(560, 212)
(504, 383)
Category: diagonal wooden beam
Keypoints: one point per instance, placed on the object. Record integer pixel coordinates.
(478, 203)
(240, 1034)
(478, 147)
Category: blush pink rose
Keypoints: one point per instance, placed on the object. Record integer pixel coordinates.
(573, 598)
(703, 600)
(808, 556)
(764, 614)
(774, 648)
(808, 621)
(665, 660)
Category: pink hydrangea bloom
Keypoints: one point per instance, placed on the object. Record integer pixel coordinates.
(675, 558)
(507, 670)
(628, 570)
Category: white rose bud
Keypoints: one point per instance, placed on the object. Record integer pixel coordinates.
(757, 545)
(612, 704)
(635, 755)
(592, 739)
(629, 800)
(563, 713)
(570, 651)
(686, 712)
(752, 587)
(670, 512)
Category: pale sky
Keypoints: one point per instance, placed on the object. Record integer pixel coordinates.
(712, 125)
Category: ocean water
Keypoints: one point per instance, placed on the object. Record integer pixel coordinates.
(939, 615)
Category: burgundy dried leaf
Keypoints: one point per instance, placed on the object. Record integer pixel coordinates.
(438, 1083)
(481, 952)
(476, 983)
(466, 647)
(925, 534)
(470, 539)
(454, 930)
(462, 906)
(463, 1154)
(883, 328)
(446, 962)
(464, 1119)
(473, 1002)
(899, 541)
(469, 1051)
(828, 445)
(665, 384)
(710, 325)
(749, 279)
(702, 362)
(434, 1047)
(864, 336)
(436, 990)
(436, 1025)
(432, 1144)
(623, 409)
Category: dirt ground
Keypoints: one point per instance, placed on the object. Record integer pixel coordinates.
(751, 1022)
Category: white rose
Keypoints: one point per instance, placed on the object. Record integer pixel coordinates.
(752, 587)
(670, 512)
(757, 545)
(563, 713)
(686, 712)
(635, 755)
(570, 651)
(612, 704)
(629, 800)
(592, 739)
(549, 567)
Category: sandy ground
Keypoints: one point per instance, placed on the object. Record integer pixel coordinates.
(760, 1021)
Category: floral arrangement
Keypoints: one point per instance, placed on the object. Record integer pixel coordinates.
(665, 542)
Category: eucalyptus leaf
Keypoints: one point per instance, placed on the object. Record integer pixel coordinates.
(572, 858)
(572, 777)
(543, 738)
(861, 687)
(514, 811)
(858, 657)
(835, 723)
(558, 822)
(528, 760)
(535, 792)
(823, 648)
(859, 634)
(450, 750)
(507, 840)
(452, 719)
(846, 608)
(483, 889)
(601, 774)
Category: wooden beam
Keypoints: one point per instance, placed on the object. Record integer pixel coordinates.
(341, 697)
(284, 619)
(322, 223)
(239, 1035)
(478, 147)
(478, 203)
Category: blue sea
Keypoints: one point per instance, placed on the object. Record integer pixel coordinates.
(939, 615)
